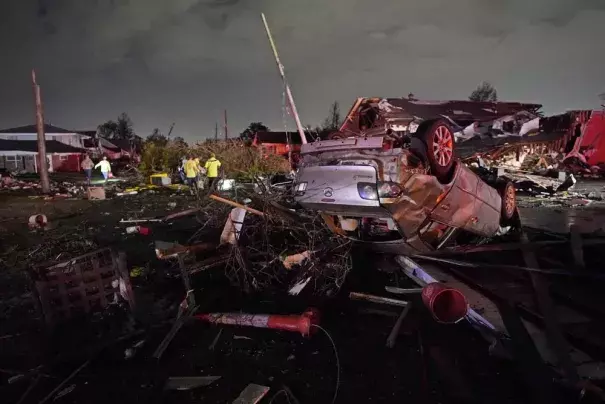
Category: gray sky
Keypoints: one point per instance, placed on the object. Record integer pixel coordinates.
(183, 61)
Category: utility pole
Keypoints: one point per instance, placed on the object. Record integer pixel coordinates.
(216, 131)
(170, 130)
(42, 165)
(226, 131)
(280, 67)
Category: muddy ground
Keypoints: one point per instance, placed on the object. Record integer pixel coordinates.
(430, 363)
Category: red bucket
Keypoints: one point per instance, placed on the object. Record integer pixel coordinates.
(447, 305)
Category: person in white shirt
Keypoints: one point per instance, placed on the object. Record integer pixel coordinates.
(105, 168)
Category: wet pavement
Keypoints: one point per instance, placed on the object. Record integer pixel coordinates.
(558, 219)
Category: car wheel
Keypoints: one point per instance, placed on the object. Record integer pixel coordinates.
(439, 140)
(507, 192)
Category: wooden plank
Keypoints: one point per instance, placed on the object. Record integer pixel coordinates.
(252, 394)
(395, 331)
(188, 383)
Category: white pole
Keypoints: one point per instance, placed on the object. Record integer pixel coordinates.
(283, 75)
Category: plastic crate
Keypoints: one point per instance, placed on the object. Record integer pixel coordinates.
(83, 284)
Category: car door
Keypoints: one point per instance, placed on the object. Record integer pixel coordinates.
(469, 204)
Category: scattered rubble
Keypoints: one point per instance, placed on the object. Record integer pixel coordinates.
(265, 246)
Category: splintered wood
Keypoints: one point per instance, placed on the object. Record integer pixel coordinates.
(237, 205)
(252, 394)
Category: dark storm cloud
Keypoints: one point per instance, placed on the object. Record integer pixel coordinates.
(186, 60)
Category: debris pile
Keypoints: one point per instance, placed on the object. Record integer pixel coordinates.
(58, 188)
(286, 247)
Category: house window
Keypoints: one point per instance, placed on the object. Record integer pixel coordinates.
(63, 157)
(11, 162)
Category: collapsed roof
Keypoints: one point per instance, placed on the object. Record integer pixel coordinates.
(467, 117)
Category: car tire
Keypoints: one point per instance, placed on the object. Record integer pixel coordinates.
(438, 137)
(508, 210)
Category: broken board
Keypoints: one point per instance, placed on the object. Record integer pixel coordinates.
(252, 394)
(188, 383)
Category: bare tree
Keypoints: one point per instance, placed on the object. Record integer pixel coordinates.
(157, 137)
(484, 92)
(333, 121)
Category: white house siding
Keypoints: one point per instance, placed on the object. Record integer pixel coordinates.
(72, 139)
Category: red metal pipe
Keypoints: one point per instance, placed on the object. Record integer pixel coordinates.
(447, 305)
(302, 324)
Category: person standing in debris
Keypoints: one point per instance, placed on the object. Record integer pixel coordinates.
(191, 171)
(199, 168)
(181, 169)
(212, 165)
(87, 166)
(105, 168)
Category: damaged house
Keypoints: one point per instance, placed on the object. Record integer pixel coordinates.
(19, 148)
(113, 149)
(483, 127)
(467, 119)
(277, 143)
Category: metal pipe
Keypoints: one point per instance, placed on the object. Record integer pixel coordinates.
(377, 299)
(283, 75)
(226, 127)
(298, 323)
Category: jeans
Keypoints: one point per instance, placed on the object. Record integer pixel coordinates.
(105, 174)
(88, 172)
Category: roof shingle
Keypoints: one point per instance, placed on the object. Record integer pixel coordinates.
(52, 146)
(33, 129)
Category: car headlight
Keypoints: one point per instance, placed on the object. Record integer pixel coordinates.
(367, 190)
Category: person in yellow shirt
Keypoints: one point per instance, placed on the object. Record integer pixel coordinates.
(199, 168)
(212, 165)
(191, 171)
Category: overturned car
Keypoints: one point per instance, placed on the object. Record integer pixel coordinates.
(401, 191)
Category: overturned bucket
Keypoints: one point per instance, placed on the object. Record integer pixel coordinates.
(447, 305)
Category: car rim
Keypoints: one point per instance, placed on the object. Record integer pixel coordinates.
(443, 146)
(509, 202)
